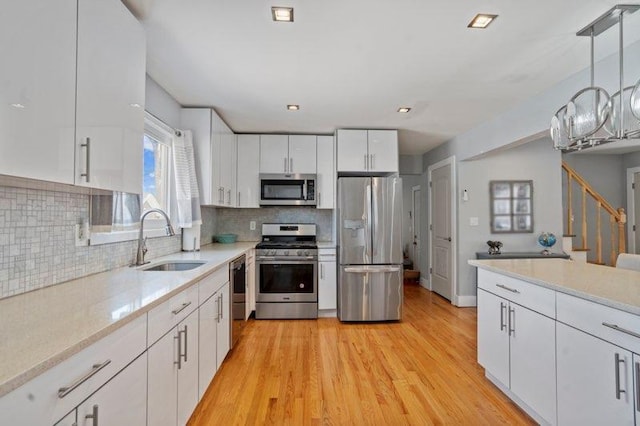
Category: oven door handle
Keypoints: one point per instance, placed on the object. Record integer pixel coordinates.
(371, 269)
(266, 258)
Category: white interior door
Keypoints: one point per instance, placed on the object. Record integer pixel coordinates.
(441, 235)
(415, 227)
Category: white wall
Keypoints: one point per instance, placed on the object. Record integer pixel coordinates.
(408, 182)
(160, 103)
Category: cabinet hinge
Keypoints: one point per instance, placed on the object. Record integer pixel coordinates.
(430, 271)
(430, 227)
(633, 185)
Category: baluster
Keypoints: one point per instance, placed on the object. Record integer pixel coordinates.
(584, 217)
(599, 232)
(570, 204)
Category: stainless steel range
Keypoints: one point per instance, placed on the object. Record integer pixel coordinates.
(286, 272)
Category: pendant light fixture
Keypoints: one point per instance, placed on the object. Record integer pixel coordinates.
(593, 117)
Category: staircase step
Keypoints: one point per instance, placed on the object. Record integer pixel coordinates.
(581, 249)
(569, 235)
(593, 262)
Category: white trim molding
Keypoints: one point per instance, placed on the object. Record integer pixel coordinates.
(631, 214)
(466, 301)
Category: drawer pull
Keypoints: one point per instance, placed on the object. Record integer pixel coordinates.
(618, 361)
(181, 308)
(621, 330)
(503, 307)
(64, 391)
(512, 324)
(93, 416)
(512, 290)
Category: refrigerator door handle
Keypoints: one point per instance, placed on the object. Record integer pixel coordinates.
(368, 234)
(371, 269)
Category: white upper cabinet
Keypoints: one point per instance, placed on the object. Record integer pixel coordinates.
(215, 151)
(370, 151)
(110, 97)
(302, 154)
(248, 177)
(37, 89)
(288, 154)
(325, 172)
(274, 153)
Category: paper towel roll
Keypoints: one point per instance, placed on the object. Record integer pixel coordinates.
(191, 238)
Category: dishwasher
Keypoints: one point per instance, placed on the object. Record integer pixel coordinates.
(238, 275)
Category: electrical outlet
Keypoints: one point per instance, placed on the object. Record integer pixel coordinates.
(474, 221)
(252, 225)
(82, 234)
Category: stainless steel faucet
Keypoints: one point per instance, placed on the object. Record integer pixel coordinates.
(142, 241)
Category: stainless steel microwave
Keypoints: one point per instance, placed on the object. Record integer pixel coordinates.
(287, 189)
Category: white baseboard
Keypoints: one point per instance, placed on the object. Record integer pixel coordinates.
(466, 301)
(425, 283)
(327, 313)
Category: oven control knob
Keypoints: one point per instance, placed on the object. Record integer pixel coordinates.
(272, 253)
(306, 252)
(299, 252)
(286, 252)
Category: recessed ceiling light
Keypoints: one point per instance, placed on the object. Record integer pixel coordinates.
(282, 14)
(404, 110)
(19, 106)
(482, 20)
(293, 107)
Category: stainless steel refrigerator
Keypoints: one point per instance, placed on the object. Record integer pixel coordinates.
(370, 248)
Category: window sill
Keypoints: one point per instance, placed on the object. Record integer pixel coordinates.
(100, 238)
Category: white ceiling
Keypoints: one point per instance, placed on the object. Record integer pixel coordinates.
(353, 63)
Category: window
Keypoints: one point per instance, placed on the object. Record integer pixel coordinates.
(116, 217)
(511, 206)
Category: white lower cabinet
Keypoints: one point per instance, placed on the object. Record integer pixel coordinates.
(595, 384)
(173, 374)
(251, 283)
(69, 420)
(327, 279)
(516, 346)
(122, 401)
(214, 336)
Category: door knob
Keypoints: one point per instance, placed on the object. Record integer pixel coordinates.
(449, 239)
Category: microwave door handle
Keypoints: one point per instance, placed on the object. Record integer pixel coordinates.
(304, 189)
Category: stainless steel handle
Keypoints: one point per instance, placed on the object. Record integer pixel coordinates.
(218, 309)
(221, 306)
(618, 361)
(179, 339)
(285, 164)
(238, 198)
(621, 330)
(222, 194)
(290, 164)
(229, 194)
(373, 161)
(186, 339)
(66, 390)
(321, 271)
(365, 162)
(512, 323)
(366, 269)
(181, 308)
(93, 416)
(266, 258)
(319, 199)
(512, 290)
(304, 190)
(87, 174)
(503, 307)
(637, 386)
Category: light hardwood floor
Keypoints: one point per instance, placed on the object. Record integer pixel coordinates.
(420, 371)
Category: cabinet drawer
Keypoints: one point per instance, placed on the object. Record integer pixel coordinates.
(212, 283)
(327, 254)
(38, 402)
(622, 328)
(164, 317)
(534, 297)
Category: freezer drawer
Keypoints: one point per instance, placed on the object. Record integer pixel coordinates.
(370, 293)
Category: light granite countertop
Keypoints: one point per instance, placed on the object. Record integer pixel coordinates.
(617, 288)
(42, 328)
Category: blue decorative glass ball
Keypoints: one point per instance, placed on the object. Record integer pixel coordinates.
(547, 239)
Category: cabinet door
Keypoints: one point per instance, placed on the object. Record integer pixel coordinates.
(248, 181)
(37, 89)
(224, 325)
(302, 154)
(352, 151)
(533, 360)
(122, 401)
(251, 284)
(68, 420)
(198, 120)
(274, 154)
(188, 368)
(110, 97)
(383, 150)
(636, 386)
(325, 172)
(215, 161)
(228, 165)
(162, 382)
(493, 335)
(327, 287)
(587, 378)
(208, 319)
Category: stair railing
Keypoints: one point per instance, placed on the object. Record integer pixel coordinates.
(617, 217)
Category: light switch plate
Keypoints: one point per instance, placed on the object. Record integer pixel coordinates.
(474, 221)
(252, 225)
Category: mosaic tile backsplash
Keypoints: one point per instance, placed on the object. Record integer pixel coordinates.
(37, 249)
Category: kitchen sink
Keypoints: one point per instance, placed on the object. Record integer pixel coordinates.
(175, 265)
